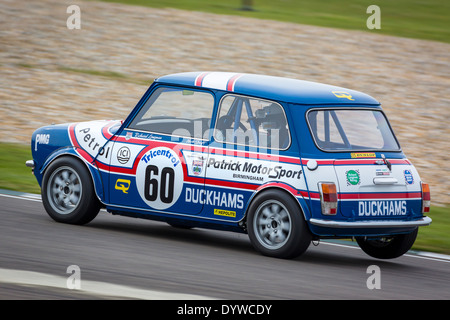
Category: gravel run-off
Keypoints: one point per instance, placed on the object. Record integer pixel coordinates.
(50, 74)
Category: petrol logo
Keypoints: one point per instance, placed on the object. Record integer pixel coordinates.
(92, 140)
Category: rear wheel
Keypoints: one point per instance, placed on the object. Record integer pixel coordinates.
(68, 193)
(276, 226)
(388, 247)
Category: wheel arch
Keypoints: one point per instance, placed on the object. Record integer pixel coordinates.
(91, 168)
(285, 188)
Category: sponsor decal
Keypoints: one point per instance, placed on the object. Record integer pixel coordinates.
(159, 178)
(382, 172)
(197, 167)
(225, 213)
(343, 94)
(41, 139)
(382, 208)
(353, 177)
(409, 178)
(122, 185)
(362, 155)
(93, 142)
(162, 153)
(215, 198)
(272, 172)
(247, 177)
(123, 155)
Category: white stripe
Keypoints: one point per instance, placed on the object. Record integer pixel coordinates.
(97, 288)
(379, 199)
(412, 254)
(217, 80)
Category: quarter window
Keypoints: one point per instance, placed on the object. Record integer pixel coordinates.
(176, 111)
(252, 122)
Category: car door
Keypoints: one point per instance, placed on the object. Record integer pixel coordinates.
(158, 158)
(250, 133)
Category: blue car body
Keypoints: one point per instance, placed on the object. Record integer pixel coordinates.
(205, 181)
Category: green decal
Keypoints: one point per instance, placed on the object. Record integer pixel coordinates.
(353, 177)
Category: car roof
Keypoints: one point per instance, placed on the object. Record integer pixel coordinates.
(271, 87)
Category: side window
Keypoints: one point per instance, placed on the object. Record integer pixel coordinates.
(176, 111)
(252, 122)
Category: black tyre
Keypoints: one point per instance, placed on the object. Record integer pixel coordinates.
(388, 247)
(68, 193)
(276, 226)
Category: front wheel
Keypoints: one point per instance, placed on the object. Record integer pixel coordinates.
(276, 226)
(68, 193)
(388, 247)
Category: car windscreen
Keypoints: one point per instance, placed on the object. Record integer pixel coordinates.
(351, 130)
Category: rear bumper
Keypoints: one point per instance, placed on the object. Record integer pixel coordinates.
(424, 221)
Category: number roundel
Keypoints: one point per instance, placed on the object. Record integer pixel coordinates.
(159, 178)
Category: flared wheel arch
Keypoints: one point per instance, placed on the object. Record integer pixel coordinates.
(93, 171)
(284, 189)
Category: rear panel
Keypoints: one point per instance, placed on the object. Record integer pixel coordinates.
(368, 189)
(355, 149)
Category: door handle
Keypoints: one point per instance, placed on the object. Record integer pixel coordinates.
(385, 180)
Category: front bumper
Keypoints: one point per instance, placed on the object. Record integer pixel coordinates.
(30, 164)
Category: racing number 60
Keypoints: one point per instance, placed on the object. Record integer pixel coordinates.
(152, 184)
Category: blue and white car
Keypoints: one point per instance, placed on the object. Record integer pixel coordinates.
(286, 161)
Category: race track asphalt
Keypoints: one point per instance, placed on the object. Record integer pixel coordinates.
(126, 258)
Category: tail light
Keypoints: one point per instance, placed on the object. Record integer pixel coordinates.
(328, 198)
(426, 198)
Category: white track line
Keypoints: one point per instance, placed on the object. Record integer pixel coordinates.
(31, 278)
(24, 197)
(414, 254)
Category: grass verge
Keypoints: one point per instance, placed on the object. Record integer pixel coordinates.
(107, 74)
(14, 175)
(435, 237)
(406, 18)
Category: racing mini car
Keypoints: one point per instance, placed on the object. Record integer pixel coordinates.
(285, 161)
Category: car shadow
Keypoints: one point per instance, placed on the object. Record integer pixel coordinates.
(239, 243)
(164, 231)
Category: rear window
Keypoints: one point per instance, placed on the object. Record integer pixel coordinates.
(352, 130)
